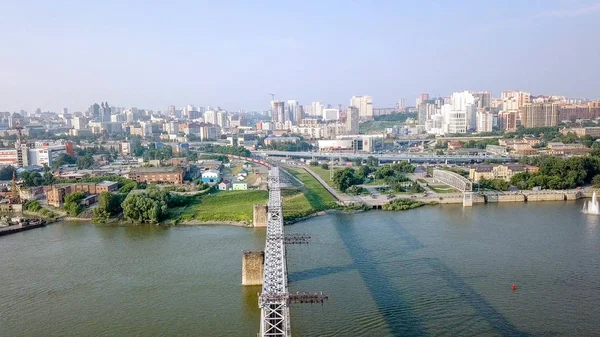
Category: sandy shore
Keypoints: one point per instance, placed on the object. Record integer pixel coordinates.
(208, 223)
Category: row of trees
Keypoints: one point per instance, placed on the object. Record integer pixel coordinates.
(150, 206)
(72, 201)
(109, 205)
(232, 150)
(393, 175)
(558, 173)
(396, 117)
(32, 179)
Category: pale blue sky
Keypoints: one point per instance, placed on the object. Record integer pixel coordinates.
(150, 54)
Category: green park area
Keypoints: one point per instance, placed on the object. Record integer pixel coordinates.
(443, 189)
(375, 126)
(235, 206)
(325, 174)
(238, 206)
(311, 197)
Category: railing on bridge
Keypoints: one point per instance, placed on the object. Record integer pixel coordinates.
(274, 301)
(453, 179)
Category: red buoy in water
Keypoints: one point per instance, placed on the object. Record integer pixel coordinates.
(514, 287)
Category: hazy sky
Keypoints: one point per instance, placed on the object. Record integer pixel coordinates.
(150, 54)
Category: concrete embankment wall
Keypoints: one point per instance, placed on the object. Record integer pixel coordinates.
(520, 197)
(505, 198)
(545, 197)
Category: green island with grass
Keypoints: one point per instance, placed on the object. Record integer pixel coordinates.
(299, 201)
(402, 205)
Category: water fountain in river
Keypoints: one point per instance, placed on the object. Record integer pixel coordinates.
(591, 207)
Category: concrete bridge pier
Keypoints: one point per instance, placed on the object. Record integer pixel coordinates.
(253, 268)
(467, 199)
(260, 217)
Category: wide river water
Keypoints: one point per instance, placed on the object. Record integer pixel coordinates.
(433, 271)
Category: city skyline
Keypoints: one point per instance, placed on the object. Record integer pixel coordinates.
(151, 56)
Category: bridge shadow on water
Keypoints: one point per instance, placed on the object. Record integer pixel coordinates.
(317, 272)
(391, 302)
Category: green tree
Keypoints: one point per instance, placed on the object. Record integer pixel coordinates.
(73, 208)
(364, 171)
(48, 178)
(372, 161)
(325, 166)
(32, 206)
(108, 205)
(85, 162)
(345, 178)
(141, 208)
(72, 205)
(31, 178)
(596, 180)
(63, 159)
(6, 173)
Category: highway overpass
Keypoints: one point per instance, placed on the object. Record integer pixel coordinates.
(388, 157)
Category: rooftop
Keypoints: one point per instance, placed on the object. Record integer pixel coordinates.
(106, 183)
(165, 169)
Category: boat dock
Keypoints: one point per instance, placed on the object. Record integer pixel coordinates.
(20, 228)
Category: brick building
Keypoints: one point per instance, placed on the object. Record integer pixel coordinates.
(55, 195)
(173, 175)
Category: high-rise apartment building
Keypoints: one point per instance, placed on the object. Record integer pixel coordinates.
(292, 109)
(422, 98)
(278, 111)
(79, 123)
(331, 114)
(94, 111)
(299, 114)
(483, 99)
(210, 116)
(316, 109)
(352, 117)
(105, 112)
(514, 99)
(485, 120)
(171, 110)
(222, 118)
(364, 104)
(466, 103)
(534, 115)
(401, 105)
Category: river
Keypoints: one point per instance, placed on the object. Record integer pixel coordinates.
(433, 271)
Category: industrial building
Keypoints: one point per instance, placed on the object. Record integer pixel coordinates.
(173, 175)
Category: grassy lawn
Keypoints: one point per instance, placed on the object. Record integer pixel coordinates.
(313, 197)
(239, 205)
(375, 182)
(222, 206)
(324, 174)
(443, 189)
(369, 126)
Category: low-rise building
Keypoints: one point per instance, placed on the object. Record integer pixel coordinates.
(225, 185)
(170, 174)
(480, 172)
(238, 186)
(504, 172)
(581, 132)
(211, 176)
(55, 195)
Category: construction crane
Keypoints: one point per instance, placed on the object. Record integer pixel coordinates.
(19, 129)
(272, 97)
(15, 191)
